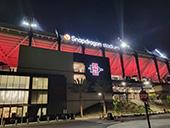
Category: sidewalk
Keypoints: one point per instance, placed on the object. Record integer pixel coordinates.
(59, 122)
(143, 117)
(38, 123)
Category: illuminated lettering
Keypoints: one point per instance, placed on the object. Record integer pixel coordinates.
(74, 39)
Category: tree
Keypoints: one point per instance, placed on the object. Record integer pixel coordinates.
(102, 87)
(80, 86)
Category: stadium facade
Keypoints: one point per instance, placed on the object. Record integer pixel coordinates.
(35, 80)
(122, 63)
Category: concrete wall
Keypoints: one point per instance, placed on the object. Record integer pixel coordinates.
(38, 60)
(89, 99)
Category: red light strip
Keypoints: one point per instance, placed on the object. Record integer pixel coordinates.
(9, 48)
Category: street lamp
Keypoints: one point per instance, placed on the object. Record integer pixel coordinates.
(123, 83)
(30, 24)
(99, 94)
(146, 82)
(102, 101)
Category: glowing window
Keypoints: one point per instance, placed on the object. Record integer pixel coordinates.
(79, 67)
(24, 82)
(44, 111)
(10, 81)
(39, 97)
(6, 112)
(79, 77)
(3, 81)
(13, 97)
(25, 110)
(40, 83)
(13, 111)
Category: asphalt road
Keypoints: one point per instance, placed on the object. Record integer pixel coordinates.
(96, 123)
(155, 123)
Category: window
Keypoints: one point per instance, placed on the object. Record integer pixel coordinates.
(5, 112)
(79, 67)
(10, 81)
(25, 110)
(17, 82)
(13, 111)
(3, 81)
(40, 83)
(79, 77)
(24, 82)
(42, 112)
(13, 97)
(19, 112)
(1, 110)
(39, 97)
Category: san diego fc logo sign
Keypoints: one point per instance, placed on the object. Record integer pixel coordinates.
(95, 69)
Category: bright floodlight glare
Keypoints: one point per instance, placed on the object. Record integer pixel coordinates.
(33, 25)
(29, 24)
(124, 45)
(99, 94)
(25, 23)
(161, 54)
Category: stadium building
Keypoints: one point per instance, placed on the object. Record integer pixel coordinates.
(36, 80)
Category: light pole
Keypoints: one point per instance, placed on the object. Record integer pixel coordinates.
(123, 45)
(144, 97)
(102, 98)
(29, 23)
(67, 37)
(124, 84)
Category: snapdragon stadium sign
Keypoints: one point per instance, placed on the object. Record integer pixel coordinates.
(74, 39)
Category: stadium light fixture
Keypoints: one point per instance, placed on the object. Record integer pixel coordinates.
(29, 24)
(157, 52)
(123, 44)
(25, 23)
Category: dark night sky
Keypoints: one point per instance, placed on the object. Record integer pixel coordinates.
(145, 23)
